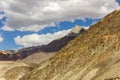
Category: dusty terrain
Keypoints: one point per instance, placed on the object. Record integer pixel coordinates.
(5, 66)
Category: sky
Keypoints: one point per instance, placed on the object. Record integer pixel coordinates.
(26, 23)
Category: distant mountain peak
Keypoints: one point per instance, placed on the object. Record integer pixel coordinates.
(76, 29)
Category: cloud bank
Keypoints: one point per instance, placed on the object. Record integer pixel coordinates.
(35, 15)
(38, 40)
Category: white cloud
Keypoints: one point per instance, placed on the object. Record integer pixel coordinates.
(37, 40)
(1, 16)
(24, 14)
(1, 38)
(52, 7)
(6, 28)
(34, 28)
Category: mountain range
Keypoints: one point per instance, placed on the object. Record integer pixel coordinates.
(40, 53)
(92, 55)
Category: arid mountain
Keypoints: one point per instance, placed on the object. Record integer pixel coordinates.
(42, 52)
(10, 70)
(94, 55)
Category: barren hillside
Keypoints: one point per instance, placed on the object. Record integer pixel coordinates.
(94, 55)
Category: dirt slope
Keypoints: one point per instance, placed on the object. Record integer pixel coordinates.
(14, 70)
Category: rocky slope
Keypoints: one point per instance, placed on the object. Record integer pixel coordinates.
(94, 55)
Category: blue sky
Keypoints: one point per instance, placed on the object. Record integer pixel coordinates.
(8, 42)
(118, 1)
(15, 34)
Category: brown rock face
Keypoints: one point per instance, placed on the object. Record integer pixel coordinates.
(94, 55)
